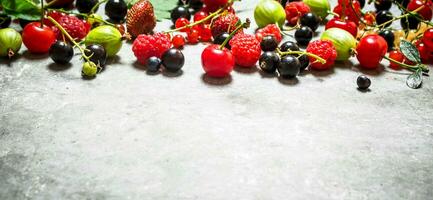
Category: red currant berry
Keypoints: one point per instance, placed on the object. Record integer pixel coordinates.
(217, 62)
(426, 10)
(397, 56)
(200, 15)
(178, 41)
(347, 25)
(370, 18)
(370, 51)
(38, 39)
(193, 36)
(206, 34)
(427, 38)
(181, 22)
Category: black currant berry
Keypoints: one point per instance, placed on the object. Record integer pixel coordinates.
(404, 3)
(173, 60)
(363, 82)
(178, 12)
(85, 6)
(388, 35)
(289, 67)
(269, 43)
(153, 64)
(304, 35)
(311, 20)
(409, 22)
(289, 45)
(61, 53)
(382, 4)
(305, 62)
(97, 54)
(221, 38)
(5, 20)
(116, 10)
(383, 16)
(362, 3)
(268, 61)
(194, 4)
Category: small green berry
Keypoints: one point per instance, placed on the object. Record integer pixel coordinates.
(89, 69)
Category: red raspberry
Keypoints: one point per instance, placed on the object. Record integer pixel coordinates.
(222, 24)
(294, 10)
(55, 15)
(246, 49)
(270, 29)
(146, 46)
(74, 26)
(324, 49)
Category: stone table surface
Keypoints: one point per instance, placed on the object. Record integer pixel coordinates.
(130, 135)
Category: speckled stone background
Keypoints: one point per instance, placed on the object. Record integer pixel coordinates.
(129, 135)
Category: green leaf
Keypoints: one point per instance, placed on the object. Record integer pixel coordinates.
(414, 80)
(410, 51)
(162, 8)
(22, 9)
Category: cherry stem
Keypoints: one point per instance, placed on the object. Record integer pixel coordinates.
(51, 3)
(410, 67)
(243, 25)
(42, 13)
(197, 22)
(65, 33)
(411, 14)
(400, 17)
(318, 58)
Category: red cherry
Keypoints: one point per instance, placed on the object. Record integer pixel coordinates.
(347, 25)
(427, 38)
(349, 12)
(215, 2)
(181, 22)
(38, 39)
(370, 51)
(397, 56)
(425, 12)
(193, 36)
(216, 62)
(424, 53)
(205, 33)
(200, 15)
(178, 41)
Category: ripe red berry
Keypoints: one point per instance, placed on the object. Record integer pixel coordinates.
(397, 56)
(246, 49)
(425, 12)
(427, 38)
(181, 22)
(200, 15)
(270, 29)
(223, 23)
(146, 46)
(205, 33)
(217, 3)
(324, 49)
(294, 10)
(38, 39)
(193, 36)
(369, 18)
(75, 27)
(347, 25)
(178, 41)
(216, 62)
(370, 51)
(351, 14)
(55, 15)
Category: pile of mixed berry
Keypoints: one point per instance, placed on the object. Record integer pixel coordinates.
(283, 43)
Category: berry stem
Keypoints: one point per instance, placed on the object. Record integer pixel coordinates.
(403, 9)
(318, 58)
(42, 13)
(243, 25)
(65, 33)
(400, 17)
(96, 6)
(51, 3)
(197, 22)
(406, 66)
